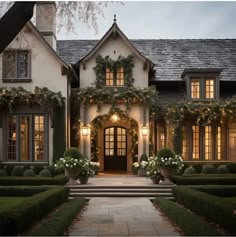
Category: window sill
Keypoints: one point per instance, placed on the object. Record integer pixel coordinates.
(16, 80)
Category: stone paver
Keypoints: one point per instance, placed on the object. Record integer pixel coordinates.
(121, 217)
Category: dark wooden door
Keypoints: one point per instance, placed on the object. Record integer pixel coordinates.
(115, 149)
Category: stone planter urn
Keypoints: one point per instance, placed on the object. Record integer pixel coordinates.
(166, 173)
(156, 180)
(83, 180)
(142, 172)
(72, 174)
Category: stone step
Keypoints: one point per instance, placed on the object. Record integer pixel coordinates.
(119, 194)
(105, 189)
(150, 197)
(78, 186)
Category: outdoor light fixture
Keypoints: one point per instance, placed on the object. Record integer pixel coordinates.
(114, 118)
(85, 130)
(144, 130)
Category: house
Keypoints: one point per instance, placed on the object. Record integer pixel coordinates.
(34, 88)
(129, 98)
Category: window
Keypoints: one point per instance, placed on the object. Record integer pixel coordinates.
(202, 142)
(202, 88)
(115, 77)
(26, 137)
(16, 65)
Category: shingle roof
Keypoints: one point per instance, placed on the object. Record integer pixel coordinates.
(170, 57)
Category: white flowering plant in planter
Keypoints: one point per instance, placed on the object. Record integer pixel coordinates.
(153, 170)
(95, 166)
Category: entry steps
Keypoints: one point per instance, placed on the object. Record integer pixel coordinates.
(149, 191)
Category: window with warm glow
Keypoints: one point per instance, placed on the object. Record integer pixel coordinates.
(196, 142)
(185, 145)
(208, 143)
(195, 89)
(210, 89)
(26, 137)
(115, 77)
(219, 143)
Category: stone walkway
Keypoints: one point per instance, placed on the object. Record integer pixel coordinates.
(121, 217)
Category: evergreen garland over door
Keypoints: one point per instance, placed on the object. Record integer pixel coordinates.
(115, 149)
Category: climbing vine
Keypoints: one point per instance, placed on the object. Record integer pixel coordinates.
(114, 65)
(41, 96)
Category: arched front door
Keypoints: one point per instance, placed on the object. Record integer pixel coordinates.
(115, 149)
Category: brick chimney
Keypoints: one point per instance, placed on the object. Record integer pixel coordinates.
(46, 21)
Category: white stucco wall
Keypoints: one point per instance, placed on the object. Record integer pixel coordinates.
(45, 70)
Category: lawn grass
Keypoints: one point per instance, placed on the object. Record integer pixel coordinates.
(10, 202)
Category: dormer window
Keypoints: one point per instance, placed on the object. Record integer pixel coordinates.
(202, 84)
(115, 77)
(203, 88)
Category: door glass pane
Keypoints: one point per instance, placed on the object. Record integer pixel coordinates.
(218, 143)
(109, 142)
(24, 138)
(121, 142)
(11, 145)
(38, 137)
(196, 142)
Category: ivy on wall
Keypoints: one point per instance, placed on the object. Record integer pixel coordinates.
(114, 65)
(42, 96)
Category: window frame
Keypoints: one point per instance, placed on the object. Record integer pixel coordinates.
(17, 67)
(202, 78)
(115, 72)
(19, 113)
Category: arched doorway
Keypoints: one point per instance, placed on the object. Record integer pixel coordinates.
(115, 149)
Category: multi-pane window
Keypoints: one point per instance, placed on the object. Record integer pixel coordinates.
(202, 88)
(115, 77)
(26, 137)
(208, 143)
(121, 141)
(195, 89)
(202, 142)
(16, 65)
(196, 143)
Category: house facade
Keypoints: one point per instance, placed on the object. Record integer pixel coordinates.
(123, 98)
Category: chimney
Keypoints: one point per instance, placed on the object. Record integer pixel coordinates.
(46, 21)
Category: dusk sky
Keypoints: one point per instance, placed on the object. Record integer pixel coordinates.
(164, 20)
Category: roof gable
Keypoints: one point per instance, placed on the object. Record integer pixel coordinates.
(114, 31)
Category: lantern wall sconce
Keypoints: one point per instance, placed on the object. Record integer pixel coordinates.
(115, 118)
(85, 130)
(144, 130)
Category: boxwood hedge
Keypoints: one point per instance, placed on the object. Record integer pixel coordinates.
(18, 219)
(188, 222)
(60, 220)
(212, 207)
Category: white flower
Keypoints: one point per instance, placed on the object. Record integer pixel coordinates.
(67, 165)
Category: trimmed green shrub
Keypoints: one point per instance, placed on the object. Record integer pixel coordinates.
(74, 152)
(198, 168)
(190, 170)
(203, 179)
(143, 157)
(21, 217)
(25, 167)
(8, 169)
(52, 169)
(212, 207)
(29, 173)
(232, 167)
(222, 169)
(217, 190)
(3, 173)
(17, 171)
(21, 191)
(165, 152)
(45, 173)
(189, 223)
(61, 220)
(37, 169)
(57, 180)
(208, 169)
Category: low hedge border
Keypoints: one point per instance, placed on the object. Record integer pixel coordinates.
(212, 207)
(19, 218)
(21, 191)
(226, 179)
(57, 180)
(60, 220)
(189, 223)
